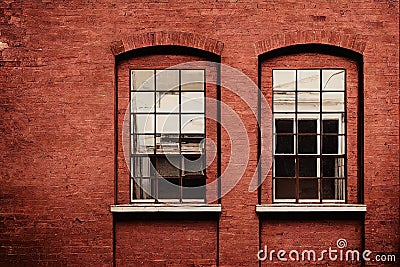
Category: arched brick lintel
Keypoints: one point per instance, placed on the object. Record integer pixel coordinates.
(353, 42)
(128, 43)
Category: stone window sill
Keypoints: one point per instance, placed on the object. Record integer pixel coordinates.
(136, 207)
(266, 208)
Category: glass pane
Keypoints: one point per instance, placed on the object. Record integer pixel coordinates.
(284, 167)
(168, 166)
(332, 101)
(308, 101)
(142, 102)
(194, 188)
(143, 123)
(167, 123)
(283, 126)
(192, 102)
(330, 126)
(167, 144)
(284, 144)
(143, 167)
(193, 165)
(333, 80)
(284, 80)
(307, 144)
(143, 80)
(330, 144)
(284, 102)
(307, 167)
(192, 80)
(147, 187)
(167, 80)
(143, 144)
(167, 102)
(308, 80)
(168, 189)
(308, 189)
(192, 143)
(192, 124)
(285, 188)
(332, 167)
(307, 126)
(333, 189)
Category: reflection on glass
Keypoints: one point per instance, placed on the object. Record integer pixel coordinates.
(192, 144)
(284, 101)
(167, 102)
(142, 80)
(142, 101)
(192, 80)
(192, 102)
(333, 80)
(167, 123)
(308, 101)
(284, 80)
(192, 124)
(142, 144)
(167, 79)
(332, 101)
(143, 123)
(167, 144)
(308, 80)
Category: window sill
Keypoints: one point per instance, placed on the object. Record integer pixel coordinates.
(147, 207)
(311, 208)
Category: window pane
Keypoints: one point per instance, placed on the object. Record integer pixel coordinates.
(143, 144)
(167, 80)
(332, 101)
(192, 80)
(307, 126)
(283, 126)
(333, 189)
(147, 187)
(193, 165)
(307, 144)
(330, 144)
(284, 144)
(192, 102)
(142, 102)
(285, 188)
(192, 144)
(143, 80)
(308, 189)
(284, 167)
(330, 126)
(332, 167)
(167, 102)
(168, 189)
(284, 102)
(143, 123)
(168, 166)
(192, 124)
(308, 80)
(308, 101)
(307, 167)
(143, 167)
(333, 80)
(284, 80)
(194, 188)
(167, 123)
(167, 143)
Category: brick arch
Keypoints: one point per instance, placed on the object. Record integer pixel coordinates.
(128, 43)
(353, 42)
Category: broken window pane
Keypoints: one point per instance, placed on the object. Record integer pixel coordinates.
(308, 189)
(308, 80)
(308, 101)
(284, 167)
(192, 102)
(284, 144)
(143, 144)
(307, 167)
(284, 101)
(333, 80)
(284, 80)
(285, 188)
(142, 80)
(333, 101)
(192, 80)
(167, 80)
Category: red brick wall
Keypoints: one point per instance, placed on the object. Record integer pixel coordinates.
(57, 112)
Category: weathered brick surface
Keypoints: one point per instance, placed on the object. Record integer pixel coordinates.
(57, 82)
